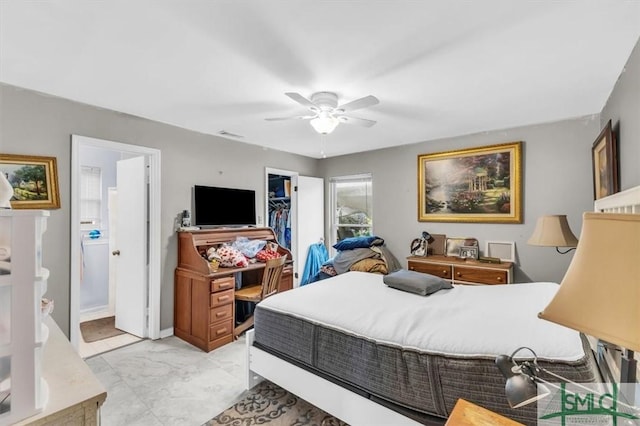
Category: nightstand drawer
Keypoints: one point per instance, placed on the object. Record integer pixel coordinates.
(442, 271)
(221, 298)
(479, 275)
(224, 283)
(221, 313)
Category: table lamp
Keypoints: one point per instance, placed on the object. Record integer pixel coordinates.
(600, 293)
(553, 231)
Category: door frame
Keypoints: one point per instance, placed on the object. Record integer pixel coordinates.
(154, 236)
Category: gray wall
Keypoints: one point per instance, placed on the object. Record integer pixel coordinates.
(36, 124)
(623, 109)
(556, 174)
(556, 180)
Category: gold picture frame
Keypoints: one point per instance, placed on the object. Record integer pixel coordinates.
(482, 184)
(604, 158)
(34, 180)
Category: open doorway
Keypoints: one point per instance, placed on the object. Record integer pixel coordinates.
(115, 280)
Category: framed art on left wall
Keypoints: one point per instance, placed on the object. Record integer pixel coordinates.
(34, 180)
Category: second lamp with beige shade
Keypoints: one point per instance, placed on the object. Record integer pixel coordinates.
(553, 231)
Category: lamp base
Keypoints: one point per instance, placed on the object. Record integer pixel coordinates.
(628, 376)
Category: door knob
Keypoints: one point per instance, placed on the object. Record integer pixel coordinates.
(116, 252)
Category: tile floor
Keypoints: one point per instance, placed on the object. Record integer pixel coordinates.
(87, 350)
(168, 382)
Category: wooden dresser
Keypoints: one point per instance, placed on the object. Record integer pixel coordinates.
(75, 393)
(461, 271)
(204, 309)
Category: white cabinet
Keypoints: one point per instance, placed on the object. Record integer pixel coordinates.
(23, 281)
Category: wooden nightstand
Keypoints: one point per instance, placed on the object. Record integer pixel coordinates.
(467, 414)
(460, 271)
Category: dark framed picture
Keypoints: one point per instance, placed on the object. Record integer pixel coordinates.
(480, 184)
(604, 155)
(34, 181)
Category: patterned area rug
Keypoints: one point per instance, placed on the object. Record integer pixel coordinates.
(99, 329)
(269, 403)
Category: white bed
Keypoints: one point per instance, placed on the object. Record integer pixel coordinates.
(356, 409)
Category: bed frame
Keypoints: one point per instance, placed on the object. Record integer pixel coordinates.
(627, 201)
(344, 404)
(328, 396)
(609, 357)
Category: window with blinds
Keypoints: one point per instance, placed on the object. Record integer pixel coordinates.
(90, 197)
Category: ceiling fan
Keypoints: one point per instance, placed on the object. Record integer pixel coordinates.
(327, 114)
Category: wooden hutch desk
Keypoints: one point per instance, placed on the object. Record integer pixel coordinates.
(204, 308)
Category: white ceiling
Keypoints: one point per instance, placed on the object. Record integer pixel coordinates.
(440, 68)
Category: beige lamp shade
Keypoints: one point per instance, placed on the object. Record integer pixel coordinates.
(600, 293)
(553, 231)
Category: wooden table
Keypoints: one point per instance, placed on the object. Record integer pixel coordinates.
(467, 414)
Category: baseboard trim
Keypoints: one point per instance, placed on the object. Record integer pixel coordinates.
(166, 332)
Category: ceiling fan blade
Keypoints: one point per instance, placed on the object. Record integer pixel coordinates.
(358, 121)
(302, 100)
(367, 101)
(295, 117)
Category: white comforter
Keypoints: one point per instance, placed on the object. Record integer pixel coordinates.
(465, 321)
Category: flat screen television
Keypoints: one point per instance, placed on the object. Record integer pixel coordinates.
(214, 206)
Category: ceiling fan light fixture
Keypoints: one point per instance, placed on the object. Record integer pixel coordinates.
(324, 123)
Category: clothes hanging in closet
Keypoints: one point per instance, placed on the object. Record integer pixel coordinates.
(280, 222)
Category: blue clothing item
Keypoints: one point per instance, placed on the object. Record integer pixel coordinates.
(316, 256)
(358, 242)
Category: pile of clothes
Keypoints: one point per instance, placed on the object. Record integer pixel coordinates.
(365, 254)
(243, 251)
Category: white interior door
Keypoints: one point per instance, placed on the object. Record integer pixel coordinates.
(112, 203)
(130, 254)
(309, 218)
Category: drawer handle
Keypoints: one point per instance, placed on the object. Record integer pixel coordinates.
(445, 272)
(222, 298)
(220, 314)
(499, 279)
(221, 331)
(459, 274)
(225, 285)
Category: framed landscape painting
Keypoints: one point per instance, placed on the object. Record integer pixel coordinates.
(34, 181)
(480, 184)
